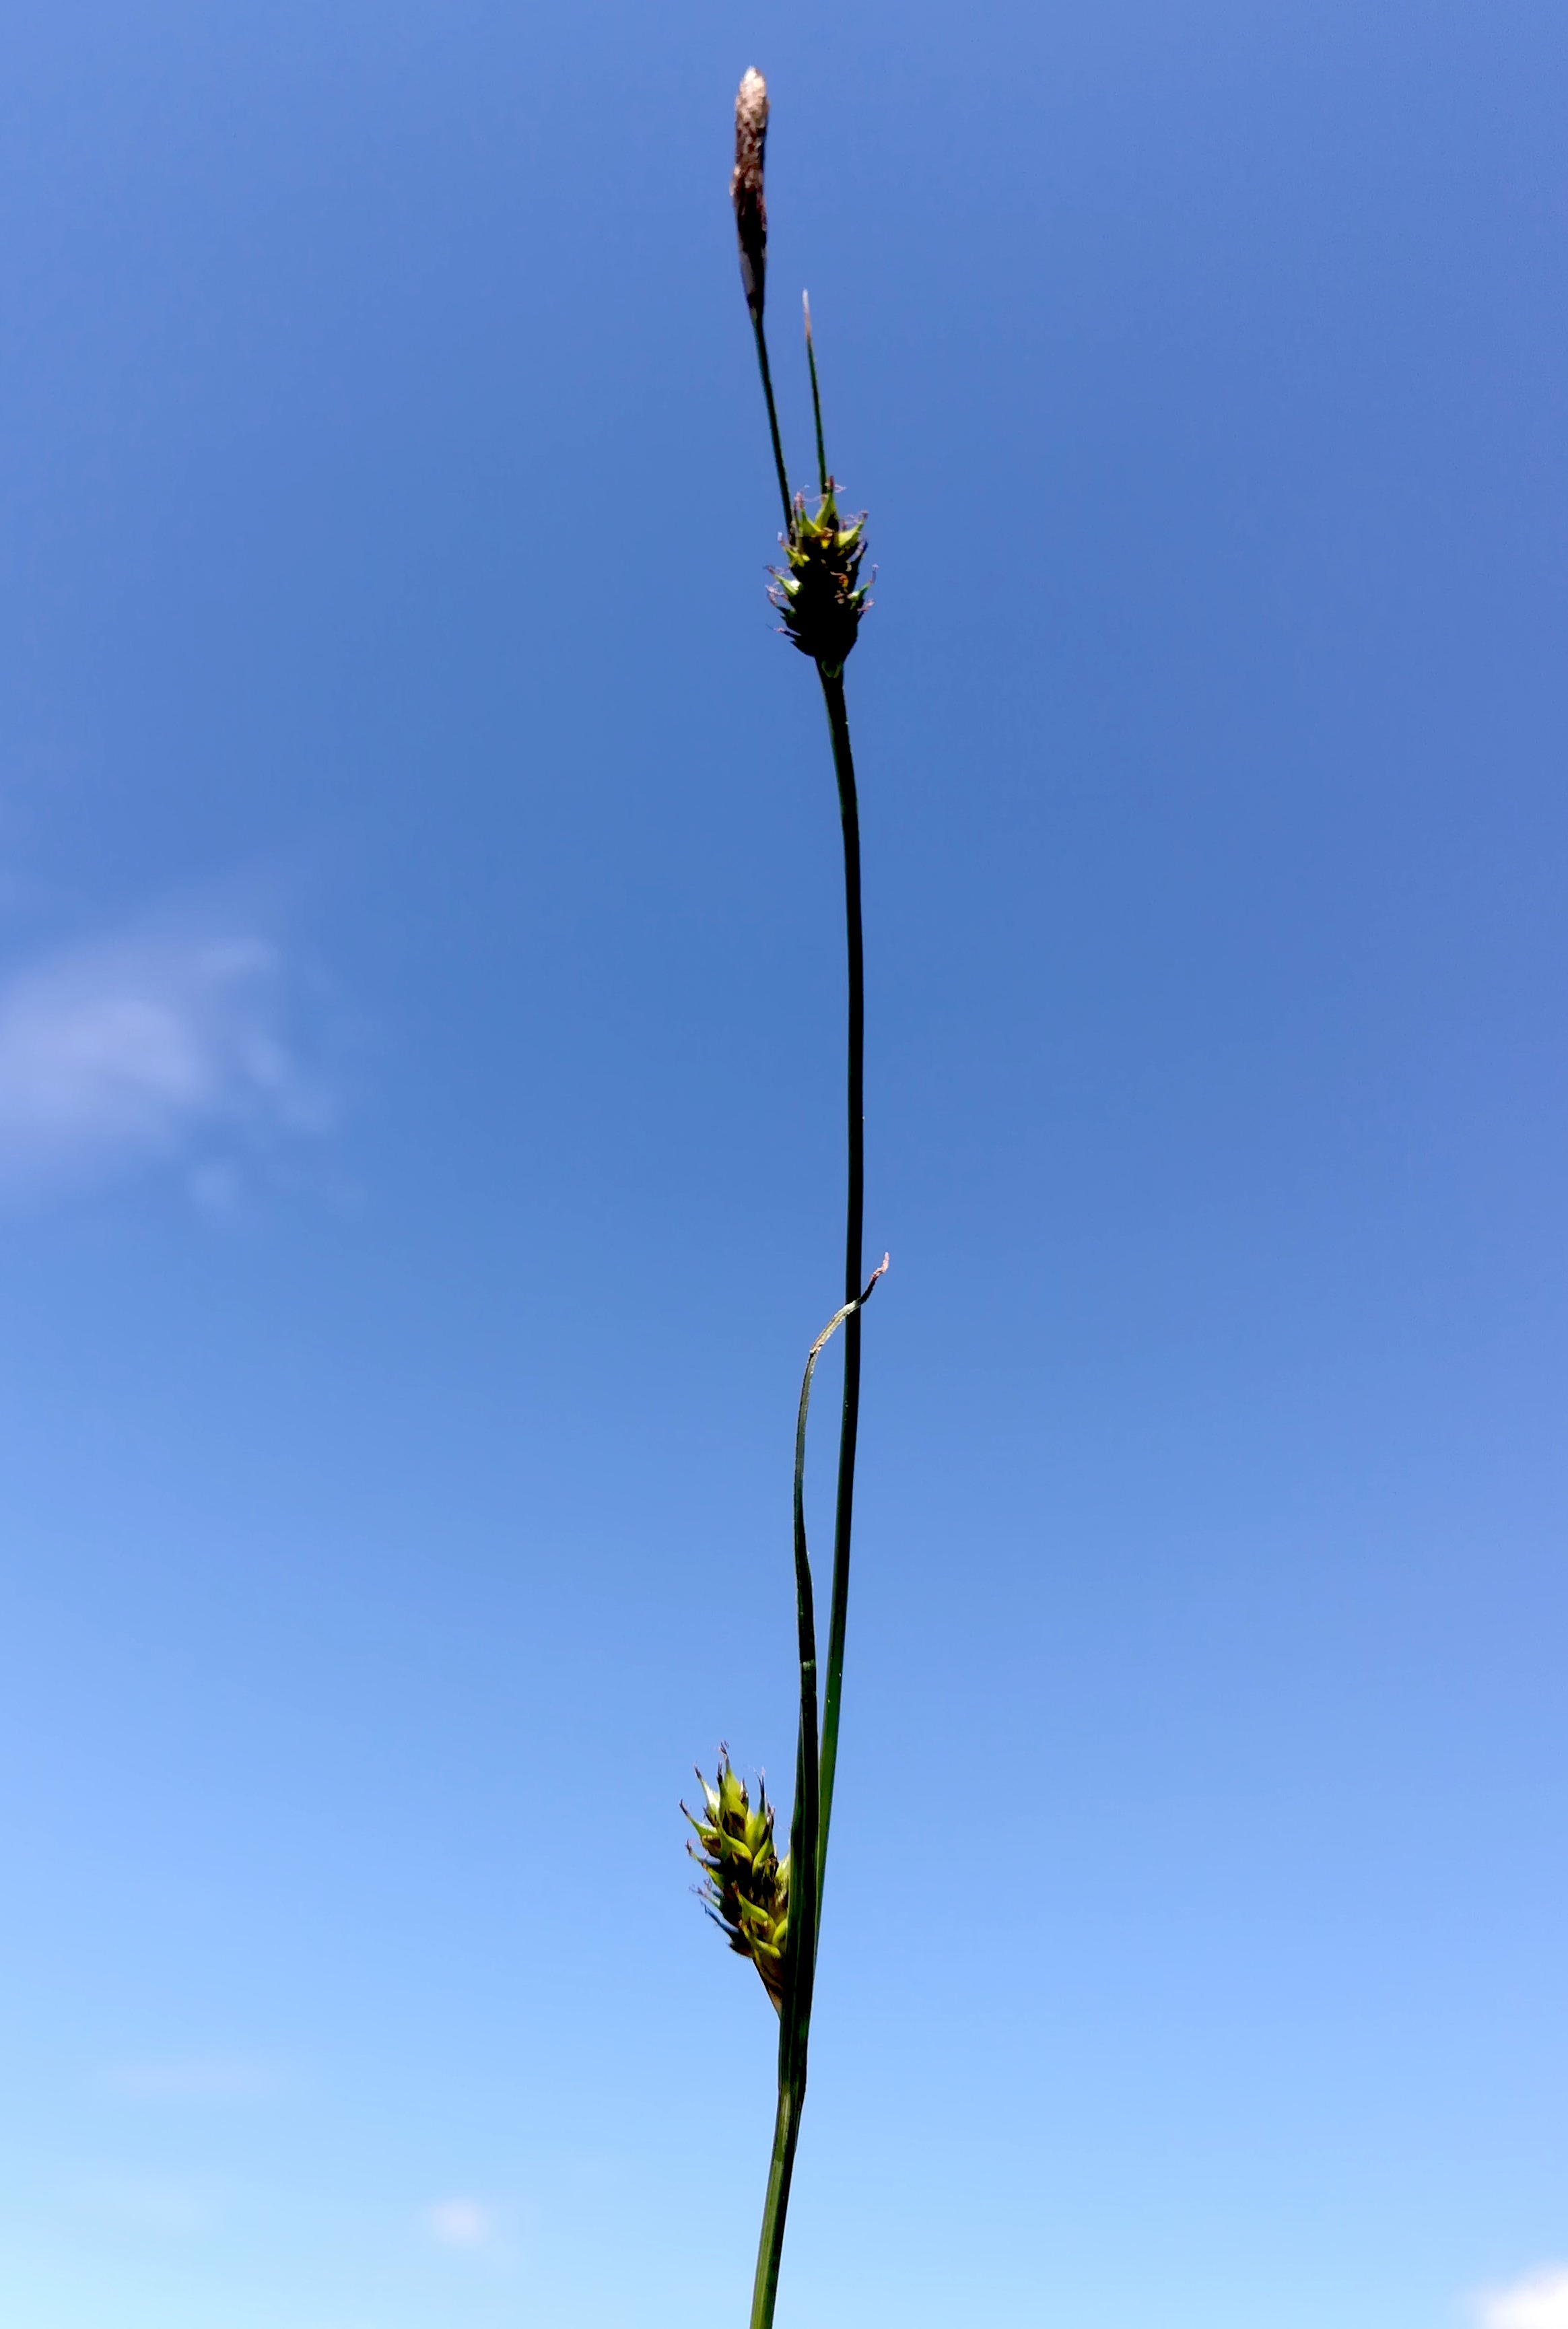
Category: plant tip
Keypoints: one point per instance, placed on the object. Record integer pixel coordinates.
(746, 186)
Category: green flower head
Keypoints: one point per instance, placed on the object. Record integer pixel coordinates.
(819, 591)
(745, 1886)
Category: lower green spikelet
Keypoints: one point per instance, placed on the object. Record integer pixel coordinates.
(745, 1886)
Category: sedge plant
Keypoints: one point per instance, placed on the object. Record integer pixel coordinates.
(769, 1907)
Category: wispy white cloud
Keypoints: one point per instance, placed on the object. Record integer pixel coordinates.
(157, 1046)
(164, 2207)
(198, 2078)
(461, 2223)
(1540, 2301)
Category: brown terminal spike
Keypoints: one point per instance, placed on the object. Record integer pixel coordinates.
(746, 186)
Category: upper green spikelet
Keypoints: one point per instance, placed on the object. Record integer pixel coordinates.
(745, 1886)
(819, 591)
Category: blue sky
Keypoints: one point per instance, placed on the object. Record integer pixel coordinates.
(420, 1003)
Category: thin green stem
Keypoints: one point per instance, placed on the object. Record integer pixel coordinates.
(763, 367)
(781, 2169)
(815, 399)
(800, 1938)
(800, 1944)
(816, 1756)
(839, 1611)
